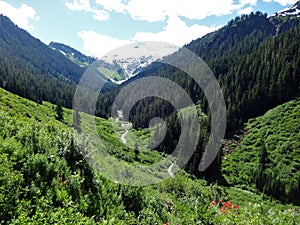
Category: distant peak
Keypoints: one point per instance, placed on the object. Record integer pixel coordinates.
(293, 10)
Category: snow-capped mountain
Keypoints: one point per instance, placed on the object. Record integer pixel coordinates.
(290, 11)
(133, 65)
(133, 58)
(122, 63)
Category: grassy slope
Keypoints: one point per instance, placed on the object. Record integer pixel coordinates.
(110, 74)
(28, 196)
(279, 130)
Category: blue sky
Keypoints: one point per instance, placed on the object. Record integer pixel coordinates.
(96, 27)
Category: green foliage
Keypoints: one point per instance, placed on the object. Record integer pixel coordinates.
(269, 154)
(44, 176)
(45, 180)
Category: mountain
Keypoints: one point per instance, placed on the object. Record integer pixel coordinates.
(31, 69)
(72, 54)
(127, 61)
(109, 70)
(255, 64)
(286, 19)
(18, 43)
(116, 66)
(130, 66)
(293, 11)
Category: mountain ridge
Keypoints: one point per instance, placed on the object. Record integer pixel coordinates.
(292, 11)
(116, 69)
(73, 54)
(33, 70)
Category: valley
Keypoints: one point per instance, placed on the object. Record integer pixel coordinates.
(40, 155)
(134, 158)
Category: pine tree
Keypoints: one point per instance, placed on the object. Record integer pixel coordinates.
(77, 121)
(59, 112)
(136, 151)
(260, 176)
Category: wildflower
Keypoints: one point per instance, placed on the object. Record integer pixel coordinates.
(223, 210)
(213, 203)
(227, 204)
(220, 201)
(236, 206)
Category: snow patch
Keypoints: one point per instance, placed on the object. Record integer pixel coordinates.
(290, 11)
(62, 52)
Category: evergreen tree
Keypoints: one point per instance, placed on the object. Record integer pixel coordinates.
(77, 121)
(59, 112)
(136, 152)
(260, 176)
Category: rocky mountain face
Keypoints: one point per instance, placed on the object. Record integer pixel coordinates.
(290, 11)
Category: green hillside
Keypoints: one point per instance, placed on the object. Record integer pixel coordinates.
(44, 179)
(31, 69)
(268, 157)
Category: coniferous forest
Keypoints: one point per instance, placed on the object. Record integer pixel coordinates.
(255, 178)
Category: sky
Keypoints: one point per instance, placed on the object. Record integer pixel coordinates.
(95, 27)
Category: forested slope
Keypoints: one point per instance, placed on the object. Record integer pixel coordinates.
(33, 70)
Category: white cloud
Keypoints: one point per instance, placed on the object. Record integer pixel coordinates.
(84, 5)
(158, 10)
(170, 34)
(112, 5)
(79, 5)
(20, 16)
(282, 2)
(170, 11)
(152, 11)
(246, 2)
(101, 15)
(245, 11)
(98, 44)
